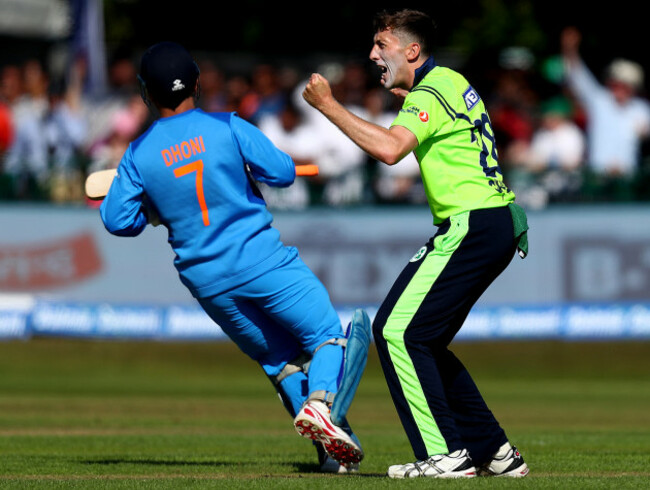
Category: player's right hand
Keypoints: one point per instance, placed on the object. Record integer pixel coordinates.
(318, 91)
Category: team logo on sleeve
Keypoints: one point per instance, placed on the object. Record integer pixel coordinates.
(424, 116)
(419, 254)
(471, 97)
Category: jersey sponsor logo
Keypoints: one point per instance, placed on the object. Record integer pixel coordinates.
(471, 97)
(413, 110)
(183, 150)
(419, 254)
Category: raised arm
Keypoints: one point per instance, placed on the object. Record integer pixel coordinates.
(386, 145)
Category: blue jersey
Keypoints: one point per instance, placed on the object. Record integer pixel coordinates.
(194, 170)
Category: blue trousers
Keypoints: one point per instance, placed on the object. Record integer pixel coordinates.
(275, 318)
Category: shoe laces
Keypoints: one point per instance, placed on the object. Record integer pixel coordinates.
(432, 461)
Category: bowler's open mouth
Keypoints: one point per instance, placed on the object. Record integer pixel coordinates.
(383, 69)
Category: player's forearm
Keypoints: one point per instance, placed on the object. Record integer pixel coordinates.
(123, 219)
(375, 140)
(122, 209)
(266, 162)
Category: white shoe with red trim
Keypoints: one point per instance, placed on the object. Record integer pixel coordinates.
(313, 422)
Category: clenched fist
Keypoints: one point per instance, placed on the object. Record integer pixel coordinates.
(318, 91)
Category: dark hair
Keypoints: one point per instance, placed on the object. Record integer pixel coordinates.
(415, 24)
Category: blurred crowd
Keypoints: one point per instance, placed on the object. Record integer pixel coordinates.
(583, 137)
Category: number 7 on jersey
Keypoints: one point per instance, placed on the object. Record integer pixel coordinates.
(196, 166)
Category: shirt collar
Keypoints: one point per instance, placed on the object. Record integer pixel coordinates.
(421, 72)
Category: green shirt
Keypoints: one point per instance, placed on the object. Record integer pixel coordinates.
(456, 150)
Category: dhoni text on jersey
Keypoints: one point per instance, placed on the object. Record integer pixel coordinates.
(183, 150)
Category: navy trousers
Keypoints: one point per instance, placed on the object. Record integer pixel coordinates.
(438, 403)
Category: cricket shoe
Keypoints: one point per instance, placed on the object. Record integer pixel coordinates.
(330, 465)
(313, 422)
(506, 462)
(454, 465)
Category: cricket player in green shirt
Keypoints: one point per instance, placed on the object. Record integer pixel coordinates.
(479, 229)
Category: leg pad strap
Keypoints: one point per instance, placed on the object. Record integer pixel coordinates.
(297, 365)
(326, 397)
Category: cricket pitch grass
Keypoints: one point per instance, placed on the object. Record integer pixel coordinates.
(104, 414)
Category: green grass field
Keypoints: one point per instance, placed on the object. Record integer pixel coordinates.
(92, 414)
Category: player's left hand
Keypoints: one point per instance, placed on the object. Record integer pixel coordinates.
(318, 91)
(399, 92)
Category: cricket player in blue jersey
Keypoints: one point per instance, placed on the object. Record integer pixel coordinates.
(196, 172)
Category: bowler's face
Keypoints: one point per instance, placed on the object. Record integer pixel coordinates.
(390, 56)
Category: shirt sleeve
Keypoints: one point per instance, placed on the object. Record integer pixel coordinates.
(415, 115)
(267, 163)
(581, 81)
(122, 210)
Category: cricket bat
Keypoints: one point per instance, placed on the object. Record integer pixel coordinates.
(98, 183)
